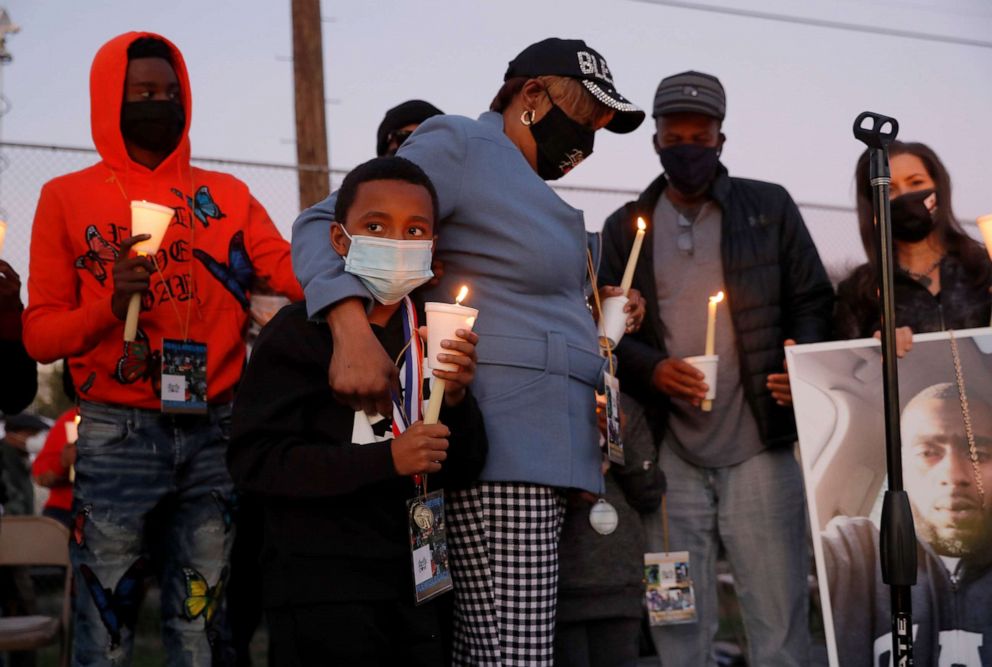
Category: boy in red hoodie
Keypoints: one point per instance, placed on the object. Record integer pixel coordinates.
(148, 447)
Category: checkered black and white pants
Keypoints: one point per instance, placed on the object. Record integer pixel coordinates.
(504, 564)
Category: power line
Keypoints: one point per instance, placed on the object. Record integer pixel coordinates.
(822, 23)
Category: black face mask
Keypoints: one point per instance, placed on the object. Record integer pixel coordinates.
(155, 125)
(912, 220)
(690, 167)
(561, 143)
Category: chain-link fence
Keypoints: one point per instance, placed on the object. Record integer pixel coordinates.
(24, 168)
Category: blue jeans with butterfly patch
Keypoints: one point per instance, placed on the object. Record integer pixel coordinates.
(152, 496)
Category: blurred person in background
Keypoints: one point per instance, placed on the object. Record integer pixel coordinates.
(52, 469)
(399, 123)
(23, 435)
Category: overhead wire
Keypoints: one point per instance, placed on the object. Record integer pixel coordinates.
(822, 23)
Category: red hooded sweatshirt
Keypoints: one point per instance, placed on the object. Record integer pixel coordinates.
(219, 240)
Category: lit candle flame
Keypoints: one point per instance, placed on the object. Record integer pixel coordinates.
(462, 293)
(78, 419)
(717, 299)
(641, 225)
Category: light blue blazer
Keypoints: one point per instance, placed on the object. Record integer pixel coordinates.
(522, 251)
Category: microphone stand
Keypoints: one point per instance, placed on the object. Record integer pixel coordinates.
(898, 534)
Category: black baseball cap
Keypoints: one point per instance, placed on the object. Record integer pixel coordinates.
(574, 59)
(407, 113)
(690, 92)
(24, 421)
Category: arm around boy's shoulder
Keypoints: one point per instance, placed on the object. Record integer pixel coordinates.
(290, 438)
(318, 268)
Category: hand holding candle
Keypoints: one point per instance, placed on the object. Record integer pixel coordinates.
(153, 220)
(635, 252)
(443, 321)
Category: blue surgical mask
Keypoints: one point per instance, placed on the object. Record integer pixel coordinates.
(389, 269)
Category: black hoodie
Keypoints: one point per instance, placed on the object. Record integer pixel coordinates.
(952, 612)
(335, 513)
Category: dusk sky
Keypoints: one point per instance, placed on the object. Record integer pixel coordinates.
(793, 91)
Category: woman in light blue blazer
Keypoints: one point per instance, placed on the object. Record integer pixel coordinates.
(522, 251)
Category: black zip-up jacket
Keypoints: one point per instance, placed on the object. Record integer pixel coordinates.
(335, 517)
(775, 283)
(963, 302)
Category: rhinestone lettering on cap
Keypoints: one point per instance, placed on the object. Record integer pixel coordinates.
(590, 65)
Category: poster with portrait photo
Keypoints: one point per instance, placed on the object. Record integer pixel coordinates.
(947, 471)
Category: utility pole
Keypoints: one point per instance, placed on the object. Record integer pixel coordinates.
(308, 80)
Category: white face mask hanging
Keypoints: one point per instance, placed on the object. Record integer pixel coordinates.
(389, 269)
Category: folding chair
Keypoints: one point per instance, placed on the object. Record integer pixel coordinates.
(36, 540)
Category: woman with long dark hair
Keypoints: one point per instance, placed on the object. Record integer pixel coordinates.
(943, 276)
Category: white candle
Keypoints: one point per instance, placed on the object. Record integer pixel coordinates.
(635, 251)
(711, 323)
(3, 233)
(72, 430)
(454, 315)
(151, 219)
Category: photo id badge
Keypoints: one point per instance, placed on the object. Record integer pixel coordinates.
(668, 588)
(184, 377)
(431, 571)
(614, 439)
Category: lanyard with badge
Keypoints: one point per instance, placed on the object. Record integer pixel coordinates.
(668, 591)
(184, 361)
(425, 511)
(603, 516)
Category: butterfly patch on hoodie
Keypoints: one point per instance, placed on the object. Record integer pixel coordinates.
(237, 274)
(99, 254)
(203, 205)
(140, 362)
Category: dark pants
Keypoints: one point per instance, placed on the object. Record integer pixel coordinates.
(607, 643)
(244, 595)
(362, 634)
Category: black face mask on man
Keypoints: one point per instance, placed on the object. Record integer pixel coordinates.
(154, 125)
(690, 167)
(561, 143)
(912, 215)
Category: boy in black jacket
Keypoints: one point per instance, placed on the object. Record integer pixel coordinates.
(338, 579)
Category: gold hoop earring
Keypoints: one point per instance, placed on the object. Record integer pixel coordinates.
(527, 117)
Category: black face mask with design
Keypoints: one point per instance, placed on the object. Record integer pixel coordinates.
(154, 125)
(561, 143)
(690, 167)
(912, 216)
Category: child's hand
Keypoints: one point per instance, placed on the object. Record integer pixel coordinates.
(420, 449)
(462, 353)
